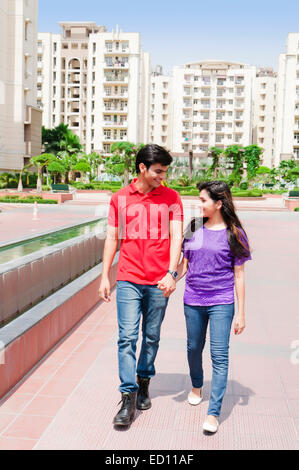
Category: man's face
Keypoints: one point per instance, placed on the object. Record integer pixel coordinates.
(154, 175)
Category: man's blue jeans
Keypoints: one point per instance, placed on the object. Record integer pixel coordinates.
(134, 300)
(220, 318)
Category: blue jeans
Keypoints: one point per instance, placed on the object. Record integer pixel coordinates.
(134, 300)
(197, 318)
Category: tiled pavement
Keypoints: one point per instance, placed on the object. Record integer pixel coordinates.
(71, 397)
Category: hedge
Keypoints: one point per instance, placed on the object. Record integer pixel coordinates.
(27, 200)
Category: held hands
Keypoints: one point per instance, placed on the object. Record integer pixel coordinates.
(104, 290)
(167, 285)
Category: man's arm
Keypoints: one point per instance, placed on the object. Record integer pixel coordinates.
(168, 284)
(110, 248)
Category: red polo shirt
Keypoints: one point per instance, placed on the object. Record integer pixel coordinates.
(143, 221)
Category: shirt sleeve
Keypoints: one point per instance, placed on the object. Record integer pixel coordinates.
(185, 251)
(113, 212)
(238, 261)
(176, 210)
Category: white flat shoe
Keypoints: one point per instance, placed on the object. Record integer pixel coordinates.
(193, 400)
(210, 427)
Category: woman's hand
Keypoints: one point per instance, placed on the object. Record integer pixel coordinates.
(167, 285)
(239, 325)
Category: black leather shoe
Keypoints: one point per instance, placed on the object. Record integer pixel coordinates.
(143, 399)
(127, 411)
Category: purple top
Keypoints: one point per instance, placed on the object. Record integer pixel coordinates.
(210, 275)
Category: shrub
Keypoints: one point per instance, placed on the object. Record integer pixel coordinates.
(294, 193)
(296, 209)
(27, 200)
(248, 193)
(190, 192)
(244, 185)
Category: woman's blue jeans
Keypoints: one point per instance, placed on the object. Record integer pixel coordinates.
(134, 300)
(220, 318)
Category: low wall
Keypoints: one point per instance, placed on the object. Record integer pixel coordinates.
(59, 197)
(31, 278)
(28, 338)
(291, 203)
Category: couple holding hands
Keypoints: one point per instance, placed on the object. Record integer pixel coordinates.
(147, 218)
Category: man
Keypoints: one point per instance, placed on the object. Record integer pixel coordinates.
(148, 218)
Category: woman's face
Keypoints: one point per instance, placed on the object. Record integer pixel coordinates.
(208, 206)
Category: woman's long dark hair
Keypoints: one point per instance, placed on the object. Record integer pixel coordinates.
(220, 191)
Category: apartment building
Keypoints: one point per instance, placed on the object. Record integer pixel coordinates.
(62, 75)
(20, 119)
(264, 118)
(95, 81)
(161, 109)
(212, 105)
(287, 108)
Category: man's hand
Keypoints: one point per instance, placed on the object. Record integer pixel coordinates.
(104, 290)
(167, 285)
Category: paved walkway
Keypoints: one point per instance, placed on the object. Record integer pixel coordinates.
(70, 399)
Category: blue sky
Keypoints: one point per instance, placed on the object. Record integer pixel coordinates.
(175, 32)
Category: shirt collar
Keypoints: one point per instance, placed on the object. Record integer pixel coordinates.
(154, 192)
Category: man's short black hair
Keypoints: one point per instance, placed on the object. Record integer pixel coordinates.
(151, 154)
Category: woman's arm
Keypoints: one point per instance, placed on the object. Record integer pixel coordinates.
(182, 269)
(240, 293)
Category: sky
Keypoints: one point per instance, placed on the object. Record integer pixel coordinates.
(175, 32)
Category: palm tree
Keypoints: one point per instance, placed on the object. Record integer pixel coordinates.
(20, 184)
(51, 138)
(127, 152)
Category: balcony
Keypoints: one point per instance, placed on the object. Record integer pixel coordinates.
(115, 95)
(115, 124)
(116, 65)
(117, 50)
(110, 138)
(116, 78)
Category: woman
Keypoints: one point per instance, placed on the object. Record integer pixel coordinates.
(215, 249)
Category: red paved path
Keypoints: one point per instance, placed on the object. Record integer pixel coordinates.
(70, 399)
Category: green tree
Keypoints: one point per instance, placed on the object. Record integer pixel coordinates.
(56, 167)
(94, 160)
(23, 170)
(51, 138)
(293, 174)
(214, 153)
(235, 158)
(252, 157)
(285, 166)
(82, 166)
(40, 161)
(122, 162)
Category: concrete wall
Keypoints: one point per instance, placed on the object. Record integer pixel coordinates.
(32, 278)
